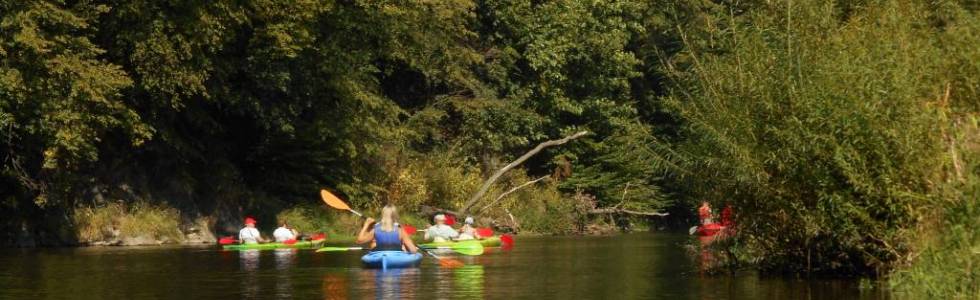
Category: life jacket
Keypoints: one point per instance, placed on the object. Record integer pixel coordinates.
(387, 240)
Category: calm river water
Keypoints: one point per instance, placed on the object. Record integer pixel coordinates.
(633, 266)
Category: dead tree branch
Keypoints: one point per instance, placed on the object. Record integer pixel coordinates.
(495, 201)
(486, 185)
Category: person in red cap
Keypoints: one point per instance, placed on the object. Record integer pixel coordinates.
(704, 212)
(249, 234)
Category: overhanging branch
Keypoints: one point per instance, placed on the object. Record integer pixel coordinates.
(486, 185)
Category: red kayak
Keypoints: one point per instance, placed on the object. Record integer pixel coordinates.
(710, 229)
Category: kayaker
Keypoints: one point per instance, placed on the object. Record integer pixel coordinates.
(285, 233)
(704, 212)
(440, 232)
(467, 232)
(726, 216)
(387, 234)
(249, 234)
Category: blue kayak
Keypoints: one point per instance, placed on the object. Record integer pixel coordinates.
(391, 259)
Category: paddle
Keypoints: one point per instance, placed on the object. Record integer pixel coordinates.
(445, 262)
(227, 240)
(335, 202)
(507, 240)
(692, 230)
(409, 229)
(484, 232)
(338, 249)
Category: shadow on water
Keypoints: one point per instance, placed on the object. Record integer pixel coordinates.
(635, 266)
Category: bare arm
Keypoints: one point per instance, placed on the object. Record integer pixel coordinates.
(366, 234)
(407, 241)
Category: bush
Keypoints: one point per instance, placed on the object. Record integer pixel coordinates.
(949, 240)
(823, 123)
(117, 221)
(542, 209)
(441, 180)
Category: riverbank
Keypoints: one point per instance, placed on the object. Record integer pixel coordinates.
(144, 224)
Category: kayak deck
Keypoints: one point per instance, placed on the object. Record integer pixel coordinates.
(271, 246)
(493, 241)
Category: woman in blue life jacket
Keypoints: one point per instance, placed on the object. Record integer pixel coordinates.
(387, 234)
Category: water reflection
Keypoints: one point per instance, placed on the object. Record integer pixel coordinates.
(285, 259)
(249, 262)
(468, 282)
(395, 283)
(334, 286)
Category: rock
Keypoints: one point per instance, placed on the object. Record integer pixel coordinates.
(139, 241)
(199, 237)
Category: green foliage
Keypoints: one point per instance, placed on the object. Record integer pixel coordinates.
(543, 209)
(949, 242)
(824, 128)
(59, 99)
(118, 221)
(623, 175)
(437, 181)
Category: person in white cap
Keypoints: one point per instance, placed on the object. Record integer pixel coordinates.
(440, 232)
(467, 232)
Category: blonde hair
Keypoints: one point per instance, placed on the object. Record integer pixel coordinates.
(389, 216)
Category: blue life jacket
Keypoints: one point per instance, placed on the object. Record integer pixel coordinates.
(387, 240)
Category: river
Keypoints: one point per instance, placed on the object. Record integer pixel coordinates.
(630, 266)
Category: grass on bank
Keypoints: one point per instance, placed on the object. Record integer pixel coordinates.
(119, 221)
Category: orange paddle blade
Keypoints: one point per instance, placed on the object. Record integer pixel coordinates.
(333, 201)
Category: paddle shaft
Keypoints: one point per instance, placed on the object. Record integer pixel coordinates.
(338, 249)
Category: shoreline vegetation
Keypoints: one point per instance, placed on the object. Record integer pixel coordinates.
(843, 133)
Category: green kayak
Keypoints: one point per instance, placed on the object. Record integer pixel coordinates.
(493, 241)
(270, 246)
